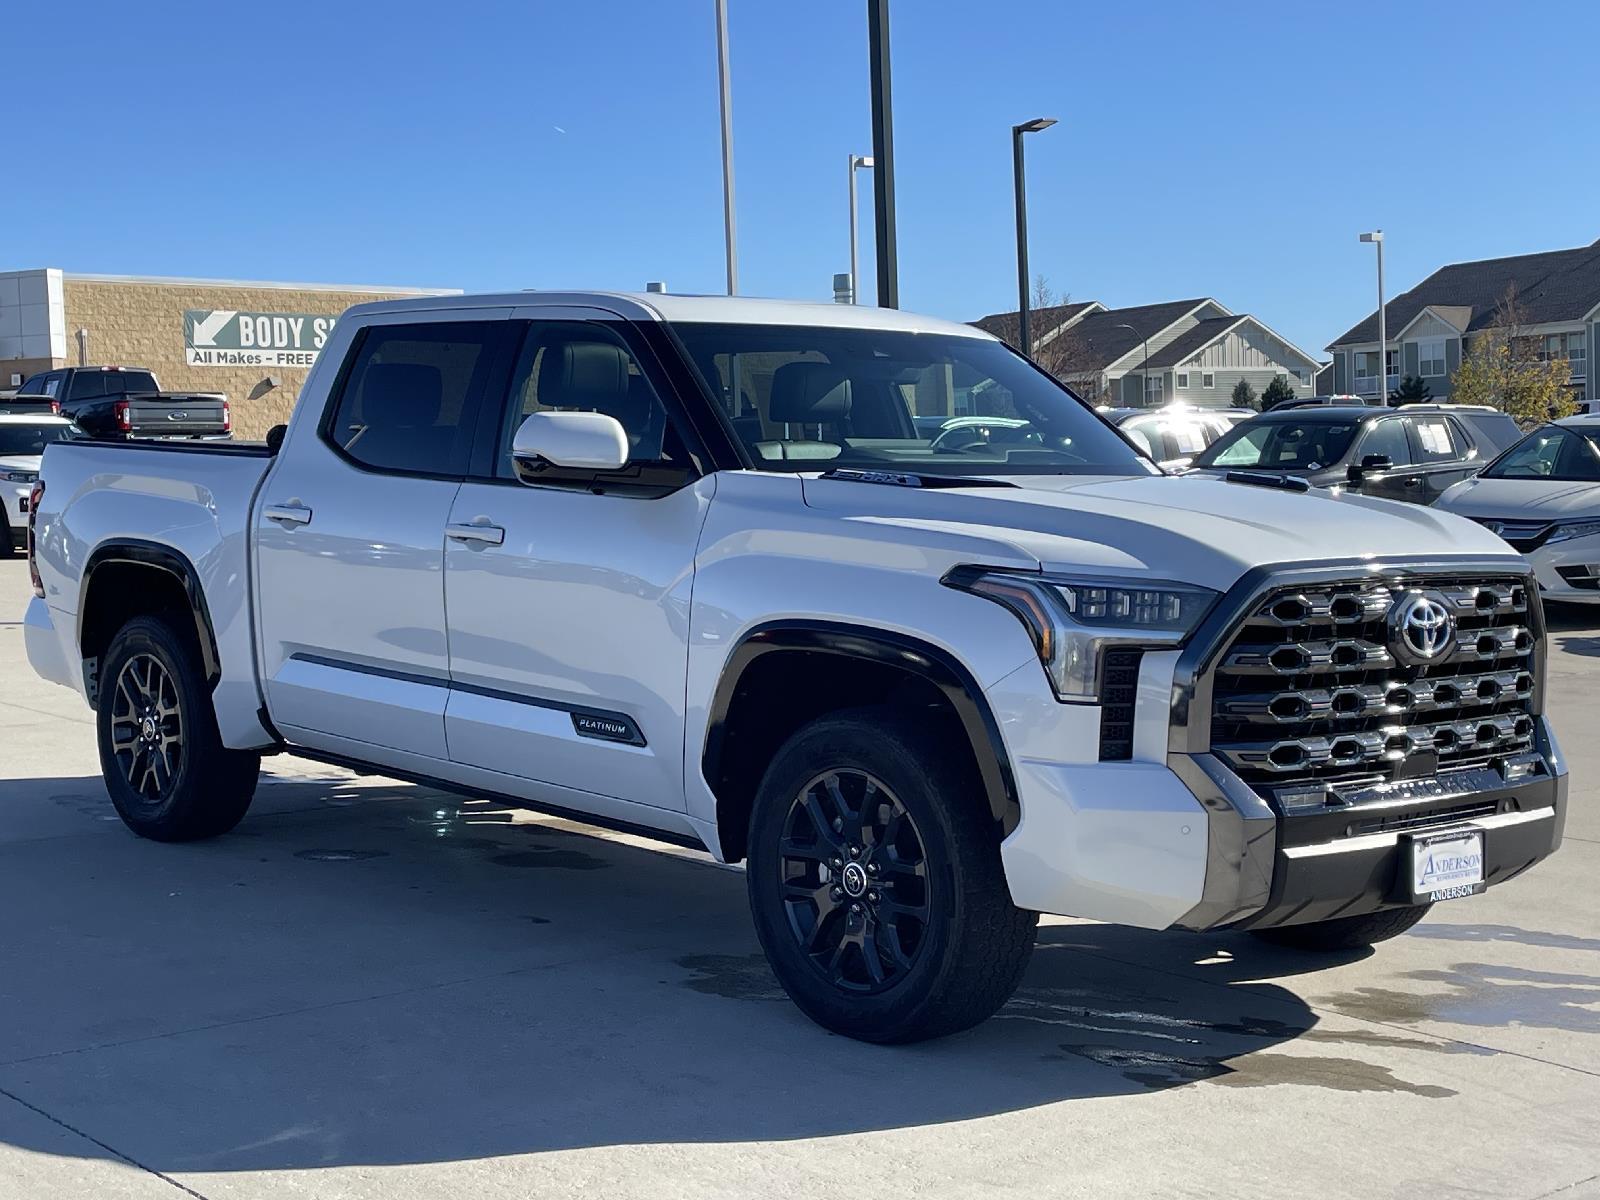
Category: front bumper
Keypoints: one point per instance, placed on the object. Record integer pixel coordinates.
(1270, 869)
(1568, 571)
(14, 496)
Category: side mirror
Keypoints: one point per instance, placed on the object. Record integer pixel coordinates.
(275, 437)
(1369, 462)
(583, 441)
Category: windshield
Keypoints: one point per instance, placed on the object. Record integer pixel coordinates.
(1281, 445)
(809, 398)
(1550, 453)
(18, 438)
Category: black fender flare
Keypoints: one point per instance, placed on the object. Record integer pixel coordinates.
(174, 563)
(912, 655)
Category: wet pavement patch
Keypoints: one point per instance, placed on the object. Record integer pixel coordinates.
(732, 976)
(559, 860)
(340, 855)
(1484, 995)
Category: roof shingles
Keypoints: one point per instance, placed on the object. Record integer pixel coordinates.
(1558, 285)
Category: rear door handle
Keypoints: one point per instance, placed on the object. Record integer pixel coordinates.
(1414, 481)
(489, 535)
(292, 513)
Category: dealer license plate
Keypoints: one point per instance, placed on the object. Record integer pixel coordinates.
(1447, 866)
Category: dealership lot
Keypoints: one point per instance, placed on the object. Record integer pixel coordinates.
(376, 989)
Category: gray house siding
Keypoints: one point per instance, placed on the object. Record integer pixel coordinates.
(1341, 373)
(1408, 359)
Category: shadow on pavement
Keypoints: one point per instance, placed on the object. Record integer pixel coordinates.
(413, 992)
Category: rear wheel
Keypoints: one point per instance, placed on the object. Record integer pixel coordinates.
(1346, 933)
(168, 773)
(876, 884)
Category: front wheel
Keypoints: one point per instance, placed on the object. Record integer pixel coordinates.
(169, 775)
(876, 884)
(1346, 933)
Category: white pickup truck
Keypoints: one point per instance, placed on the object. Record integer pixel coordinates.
(703, 567)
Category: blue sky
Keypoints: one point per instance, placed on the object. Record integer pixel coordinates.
(1226, 149)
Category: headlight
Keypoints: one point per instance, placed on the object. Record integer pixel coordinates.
(1072, 621)
(1575, 529)
(21, 476)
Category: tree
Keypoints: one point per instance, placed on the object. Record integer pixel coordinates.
(1059, 351)
(1275, 393)
(1244, 396)
(1505, 368)
(1412, 390)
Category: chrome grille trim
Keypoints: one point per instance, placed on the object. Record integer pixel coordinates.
(1304, 689)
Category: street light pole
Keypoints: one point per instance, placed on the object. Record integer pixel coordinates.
(856, 161)
(1376, 238)
(883, 154)
(1019, 184)
(1144, 369)
(727, 146)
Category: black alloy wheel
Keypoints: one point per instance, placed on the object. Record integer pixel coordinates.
(855, 881)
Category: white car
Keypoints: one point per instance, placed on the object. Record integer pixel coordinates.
(22, 443)
(1543, 497)
(687, 565)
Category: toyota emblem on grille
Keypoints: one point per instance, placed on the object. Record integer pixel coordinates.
(1422, 628)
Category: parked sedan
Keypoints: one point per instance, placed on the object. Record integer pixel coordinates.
(1175, 434)
(22, 443)
(1410, 454)
(1543, 496)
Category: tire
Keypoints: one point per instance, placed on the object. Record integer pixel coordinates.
(168, 773)
(934, 915)
(1346, 933)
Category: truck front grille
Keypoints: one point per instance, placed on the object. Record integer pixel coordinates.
(1316, 686)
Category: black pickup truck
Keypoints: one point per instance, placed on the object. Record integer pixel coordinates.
(123, 403)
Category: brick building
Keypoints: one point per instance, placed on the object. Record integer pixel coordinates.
(254, 341)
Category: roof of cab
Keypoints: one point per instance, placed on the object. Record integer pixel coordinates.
(665, 306)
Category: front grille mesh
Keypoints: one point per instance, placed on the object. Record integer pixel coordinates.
(1309, 689)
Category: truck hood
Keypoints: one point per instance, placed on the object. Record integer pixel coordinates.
(1185, 528)
(1523, 499)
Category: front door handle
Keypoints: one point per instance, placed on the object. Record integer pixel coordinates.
(489, 535)
(292, 513)
(1414, 481)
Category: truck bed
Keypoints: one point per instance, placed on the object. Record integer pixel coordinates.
(189, 499)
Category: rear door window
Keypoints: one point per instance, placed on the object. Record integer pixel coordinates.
(87, 385)
(1433, 441)
(411, 395)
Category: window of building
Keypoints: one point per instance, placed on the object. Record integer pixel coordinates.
(409, 403)
(1574, 347)
(1153, 389)
(1183, 379)
(1366, 364)
(1430, 357)
(1391, 361)
(1303, 375)
(1207, 379)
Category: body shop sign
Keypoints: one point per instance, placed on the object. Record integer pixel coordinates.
(224, 338)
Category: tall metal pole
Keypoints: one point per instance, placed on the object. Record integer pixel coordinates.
(1383, 331)
(1022, 238)
(855, 264)
(727, 146)
(883, 154)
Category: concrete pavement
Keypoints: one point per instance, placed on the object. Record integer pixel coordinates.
(374, 989)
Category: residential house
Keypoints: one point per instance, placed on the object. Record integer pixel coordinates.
(1431, 327)
(1194, 351)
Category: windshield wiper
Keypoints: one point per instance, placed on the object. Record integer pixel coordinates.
(905, 479)
(1289, 483)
